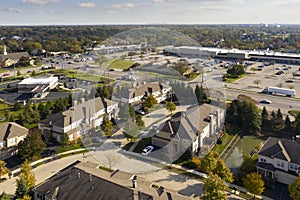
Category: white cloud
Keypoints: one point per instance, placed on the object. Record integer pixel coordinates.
(16, 10)
(119, 7)
(40, 2)
(87, 5)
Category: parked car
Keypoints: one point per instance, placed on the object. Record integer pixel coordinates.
(147, 150)
(140, 112)
(279, 72)
(155, 126)
(289, 81)
(265, 101)
(6, 74)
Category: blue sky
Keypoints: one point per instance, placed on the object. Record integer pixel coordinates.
(44, 12)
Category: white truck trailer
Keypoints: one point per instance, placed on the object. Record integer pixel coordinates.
(278, 90)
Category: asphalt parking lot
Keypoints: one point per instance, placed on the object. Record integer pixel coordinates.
(267, 77)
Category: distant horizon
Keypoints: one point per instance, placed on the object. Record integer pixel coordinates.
(158, 24)
(145, 12)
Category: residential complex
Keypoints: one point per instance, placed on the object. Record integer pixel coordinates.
(135, 95)
(79, 119)
(278, 159)
(11, 134)
(195, 130)
(86, 181)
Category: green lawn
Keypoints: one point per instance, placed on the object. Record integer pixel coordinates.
(225, 142)
(87, 77)
(121, 64)
(231, 80)
(294, 112)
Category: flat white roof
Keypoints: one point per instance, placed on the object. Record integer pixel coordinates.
(38, 81)
(223, 50)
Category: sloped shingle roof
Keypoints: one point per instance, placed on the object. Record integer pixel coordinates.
(87, 108)
(10, 130)
(281, 149)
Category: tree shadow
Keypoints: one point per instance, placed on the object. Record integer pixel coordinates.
(192, 190)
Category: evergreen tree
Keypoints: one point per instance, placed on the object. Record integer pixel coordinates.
(199, 94)
(264, 117)
(21, 189)
(279, 115)
(70, 100)
(107, 126)
(17, 106)
(273, 115)
(32, 146)
(64, 140)
(287, 123)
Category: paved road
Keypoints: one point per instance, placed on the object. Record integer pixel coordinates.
(284, 103)
(109, 154)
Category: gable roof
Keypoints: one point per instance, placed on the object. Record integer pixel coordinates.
(199, 115)
(281, 149)
(187, 124)
(10, 130)
(84, 110)
(142, 89)
(14, 56)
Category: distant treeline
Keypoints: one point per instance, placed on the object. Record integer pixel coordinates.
(284, 38)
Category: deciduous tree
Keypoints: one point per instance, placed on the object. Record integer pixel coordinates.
(131, 131)
(254, 183)
(223, 171)
(3, 168)
(213, 188)
(150, 101)
(139, 121)
(27, 175)
(171, 107)
(294, 189)
(209, 162)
